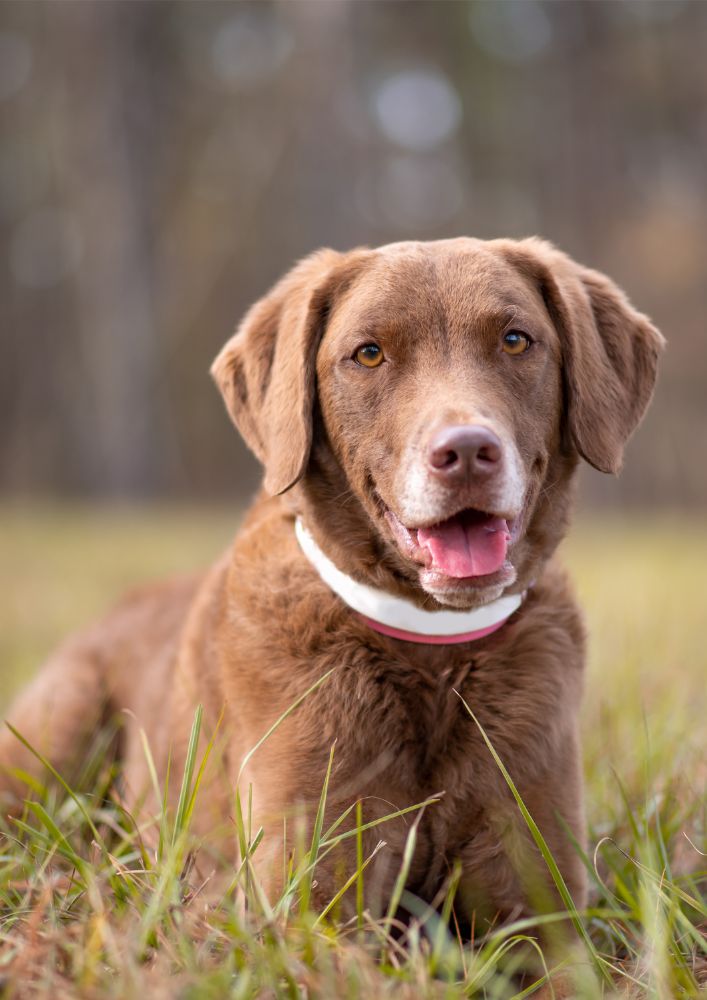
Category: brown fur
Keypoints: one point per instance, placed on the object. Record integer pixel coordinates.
(261, 627)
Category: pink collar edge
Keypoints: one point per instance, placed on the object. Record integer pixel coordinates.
(431, 640)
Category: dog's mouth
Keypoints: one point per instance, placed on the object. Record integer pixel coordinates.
(471, 545)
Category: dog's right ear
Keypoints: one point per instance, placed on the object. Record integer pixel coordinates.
(266, 371)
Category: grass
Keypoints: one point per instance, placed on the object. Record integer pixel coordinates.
(91, 905)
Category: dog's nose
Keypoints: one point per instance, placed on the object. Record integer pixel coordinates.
(464, 453)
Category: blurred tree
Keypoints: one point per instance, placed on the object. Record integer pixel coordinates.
(162, 164)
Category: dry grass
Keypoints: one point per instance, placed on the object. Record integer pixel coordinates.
(90, 912)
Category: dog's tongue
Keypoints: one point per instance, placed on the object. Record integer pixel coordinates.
(466, 546)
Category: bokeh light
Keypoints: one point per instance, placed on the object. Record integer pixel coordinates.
(417, 109)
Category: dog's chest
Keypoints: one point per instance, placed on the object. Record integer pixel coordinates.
(406, 720)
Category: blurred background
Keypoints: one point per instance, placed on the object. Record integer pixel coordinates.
(161, 164)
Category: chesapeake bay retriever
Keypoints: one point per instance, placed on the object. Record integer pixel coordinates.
(420, 411)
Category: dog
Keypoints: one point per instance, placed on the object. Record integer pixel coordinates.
(420, 411)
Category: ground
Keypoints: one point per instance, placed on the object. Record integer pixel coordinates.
(88, 907)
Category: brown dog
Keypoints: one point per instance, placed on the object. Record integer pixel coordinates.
(421, 408)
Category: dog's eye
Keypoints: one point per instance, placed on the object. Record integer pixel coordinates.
(515, 342)
(370, 355)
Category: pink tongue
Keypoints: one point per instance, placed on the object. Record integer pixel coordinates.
(460, 549)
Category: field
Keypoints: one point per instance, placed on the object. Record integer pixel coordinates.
(86, 909)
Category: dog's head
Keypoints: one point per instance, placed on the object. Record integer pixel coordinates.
(431, 401)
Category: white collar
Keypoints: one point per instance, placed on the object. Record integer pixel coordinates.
(401, 619)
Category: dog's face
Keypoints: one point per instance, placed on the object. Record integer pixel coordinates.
(439, 386)
(434, 398)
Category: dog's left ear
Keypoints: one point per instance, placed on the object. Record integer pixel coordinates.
(266, 371)
(610, 355)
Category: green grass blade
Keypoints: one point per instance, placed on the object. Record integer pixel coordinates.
(185, 790)
(355, 878)
(359, 866)
(34, 784)
(402, 875)
(67, 788)
(316, 836)
(488, 960)
(62, 844)
(202, 768)
(442, 936)
(333, 841)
